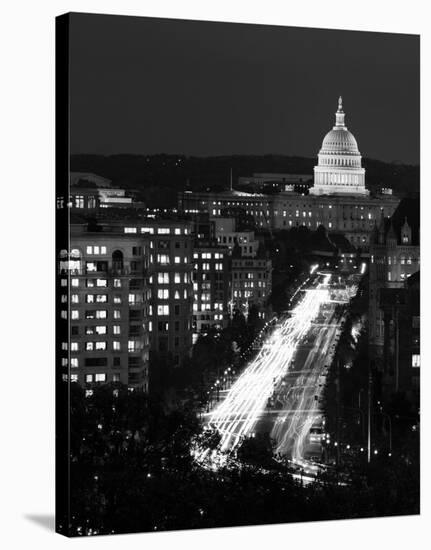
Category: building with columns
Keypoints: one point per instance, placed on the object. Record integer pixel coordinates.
(339, 169)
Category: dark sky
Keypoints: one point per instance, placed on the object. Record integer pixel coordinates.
(151, 85)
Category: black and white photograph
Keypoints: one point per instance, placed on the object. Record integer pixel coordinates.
(237, 274)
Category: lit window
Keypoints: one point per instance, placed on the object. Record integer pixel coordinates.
(116, 346)
(101, 314)
(75, 282)
(89, 346)
(75, 314)
(74, 362)
(100, 329)
(89, 378)
(132, 345)
(162, 259)
(117, 299)
(74, 346)
(75, 299)
(100, 377)
(162, 309)
(117, 314)
(130, 230)
(74, 378)
(116, 329)
(117, 283)
(163, 293)
(416, 360)
(163, 278)
(101, 282)
(177, 231)
(177, 259)
(163, 231)
(101, 346)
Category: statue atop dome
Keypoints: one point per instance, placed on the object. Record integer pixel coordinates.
(339, 115)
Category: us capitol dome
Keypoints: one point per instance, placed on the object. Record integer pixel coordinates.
(339, 169)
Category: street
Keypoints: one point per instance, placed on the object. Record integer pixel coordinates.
(279, 392)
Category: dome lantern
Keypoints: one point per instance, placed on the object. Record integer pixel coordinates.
(339, 115)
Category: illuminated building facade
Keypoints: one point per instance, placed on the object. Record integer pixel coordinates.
(211, 287)
(251, 281)
(106, 301)
(339, 168)
(127, 292)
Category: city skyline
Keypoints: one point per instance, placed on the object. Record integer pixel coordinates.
(238, 339)
(246, 89)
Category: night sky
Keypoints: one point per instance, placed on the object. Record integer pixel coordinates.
(149, 86)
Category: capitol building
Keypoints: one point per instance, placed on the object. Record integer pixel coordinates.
(339, 168)
(338, 199)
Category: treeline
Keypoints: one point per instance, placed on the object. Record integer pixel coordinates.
(132, 469)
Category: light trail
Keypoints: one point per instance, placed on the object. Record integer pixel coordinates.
(237, 415)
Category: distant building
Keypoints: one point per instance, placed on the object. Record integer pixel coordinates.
(401, 359)
(227, 235)
(267, 181)
(170, 279)
(394, 259)
(211, 287)
(251, 281)
(89, 192)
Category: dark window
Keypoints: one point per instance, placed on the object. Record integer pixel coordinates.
(75, 330)
(177, 310)
(163, 344)
(177, 244)
(135, 284)
(117, 362)
(96, 361)
(134, 361)
(137, 251)
(177, 326)
(117, 260)
(134, 330)
(135, 314)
